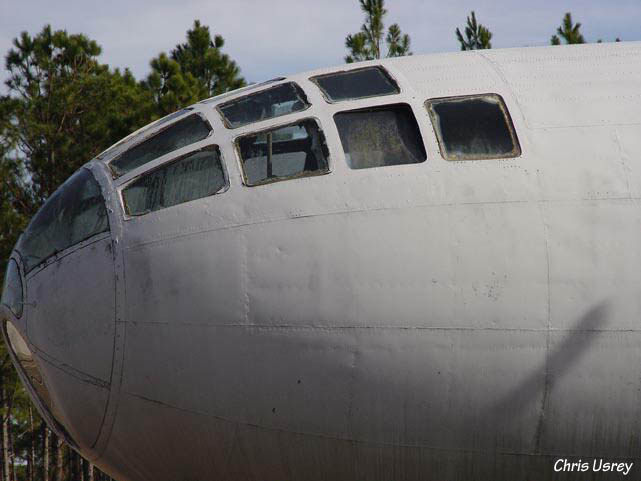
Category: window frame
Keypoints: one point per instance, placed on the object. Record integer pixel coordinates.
(85, 241)
(151, 133)
(124, 186)
(297, 87)
(252, 88)
(239, 157)
(385, 72)
(108, 155)
(375, 107)
(516, 152)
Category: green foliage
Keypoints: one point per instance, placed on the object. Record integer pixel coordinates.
(568, 31)
(65, 107)
(194, 70)
(15, 198)
(170, 88)
(201, 56)
(366, 44)
(477, 37)
(398, 44)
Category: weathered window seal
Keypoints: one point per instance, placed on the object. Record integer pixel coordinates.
(323, 163)
(446, 146)
(135, 137)
(217, 155)
(142, 139)
(322, 82)
(380, 136)
(238, 91)
(74, 213)
(225, 109)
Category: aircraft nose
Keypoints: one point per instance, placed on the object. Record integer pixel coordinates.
(22, 356)
(60, 309)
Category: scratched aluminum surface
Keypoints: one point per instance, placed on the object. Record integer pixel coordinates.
(450, 321)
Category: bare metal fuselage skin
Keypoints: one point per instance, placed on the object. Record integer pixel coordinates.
(447, 321)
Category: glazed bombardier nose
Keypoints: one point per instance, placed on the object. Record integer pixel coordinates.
(64, 339)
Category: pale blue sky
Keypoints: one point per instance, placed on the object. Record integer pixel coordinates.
(277, 37)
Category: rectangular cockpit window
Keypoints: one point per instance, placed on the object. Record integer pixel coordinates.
(473, 127)
(74, 212)
(269, 103)
(189, 130)
(356, 84)
(193, 176)
(380, 136)
(286, 152)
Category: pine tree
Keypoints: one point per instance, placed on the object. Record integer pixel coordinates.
(193, 70)
(65, 107)
(477, 36)
(568, 31)
(366, 44)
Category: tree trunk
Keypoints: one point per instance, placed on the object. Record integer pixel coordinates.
(58, 456)
(31, 460)
(79, 461)
(5, 434)
(45, 453)
(70, 465)
(85, 469)
(12, 452)
(73, 465)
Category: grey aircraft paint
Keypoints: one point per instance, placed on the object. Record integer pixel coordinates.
(443, 320)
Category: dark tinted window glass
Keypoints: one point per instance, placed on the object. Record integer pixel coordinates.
(266, 104)
(356, 84)
(184, 132)
(194, 176)
(73, 213)
(380, 136)
(473, 127)
(296, 150)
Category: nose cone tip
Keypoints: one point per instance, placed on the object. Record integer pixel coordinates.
(25, 362)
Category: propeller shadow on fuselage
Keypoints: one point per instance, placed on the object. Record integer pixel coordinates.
(535, 390)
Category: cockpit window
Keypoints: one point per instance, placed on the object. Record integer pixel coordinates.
(473, 127)
(286, 152)
(380, 136)
(229, 93)
(74, 212)
(189, 130)
(193, 176)
(356, 84)
(269, 103)
(132, 139)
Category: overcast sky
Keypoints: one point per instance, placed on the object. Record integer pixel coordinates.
(278, 37)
